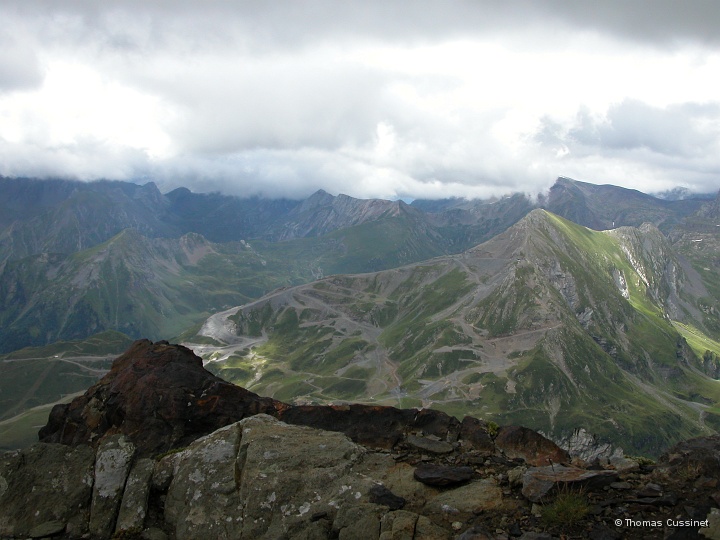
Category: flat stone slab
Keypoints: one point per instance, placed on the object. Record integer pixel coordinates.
(441, 475)
(539, 481)
(429, 445)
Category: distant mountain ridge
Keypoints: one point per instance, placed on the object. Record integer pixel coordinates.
(81, 259)
(548, 324)
(52, 228)
(38, 216)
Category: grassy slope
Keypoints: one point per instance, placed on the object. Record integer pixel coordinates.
(438, 342)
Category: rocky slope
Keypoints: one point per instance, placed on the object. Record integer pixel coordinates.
(325, 472)
(549, 324)
(602, 207)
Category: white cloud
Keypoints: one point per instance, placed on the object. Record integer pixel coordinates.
(371, 99)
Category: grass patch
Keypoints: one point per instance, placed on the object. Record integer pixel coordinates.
(568, 508)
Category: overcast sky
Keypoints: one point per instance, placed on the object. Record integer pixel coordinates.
(408, 99)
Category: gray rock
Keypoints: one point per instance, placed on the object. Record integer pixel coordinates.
(712, 531)
(164, 470)
(203, 499)
(403, 525)
(262, 478)
(112, 465)
(54, 480)
(476, 533)
(398, 525)
(429, 445)
(427, 530)
(539, 481)
(49, 528)
(133, 507)
(358, 522)
(288, 473)
(154, 533)
(650, 490)
(515, 475)
(379, 494)
(441, 475)
(476, 496)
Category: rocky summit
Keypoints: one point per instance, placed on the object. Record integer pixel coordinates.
(237, 465)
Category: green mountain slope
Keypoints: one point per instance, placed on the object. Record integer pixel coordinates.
(549, 325)
(156, 287)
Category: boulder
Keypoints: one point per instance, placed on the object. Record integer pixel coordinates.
(429, 445)
(379, 494)
(370, 425)
(694, 457)
(475, 433)
(203, 500)
(403, 525)
(529, 445)
(157, 394)
(358, 522)
(264, 478)
(474, 497)
(442, 475)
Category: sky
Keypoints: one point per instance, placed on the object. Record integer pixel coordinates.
(389, 99)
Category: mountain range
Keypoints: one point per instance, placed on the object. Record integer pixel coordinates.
(587, 307)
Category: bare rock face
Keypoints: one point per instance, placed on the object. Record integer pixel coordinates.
(112, 466)
(45, 487)
(160, 397)
(261, 478)
(157, 394)
(133, 508)
(204, 489)
(539, 481)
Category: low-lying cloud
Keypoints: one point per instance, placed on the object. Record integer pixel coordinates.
(366, 98)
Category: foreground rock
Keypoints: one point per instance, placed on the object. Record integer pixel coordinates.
(341, 472)
(159, 396)
(266, 479)
(44, 487)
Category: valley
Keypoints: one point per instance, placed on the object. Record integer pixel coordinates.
(548, 324)
(503, 309)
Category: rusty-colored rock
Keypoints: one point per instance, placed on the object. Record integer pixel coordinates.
(521, 442)
(157, 394)
(475, 432)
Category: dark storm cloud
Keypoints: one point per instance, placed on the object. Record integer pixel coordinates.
(654, 21)
(139, 24)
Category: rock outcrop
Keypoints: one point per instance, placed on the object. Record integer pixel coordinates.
(427, 476)
(159, 396)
